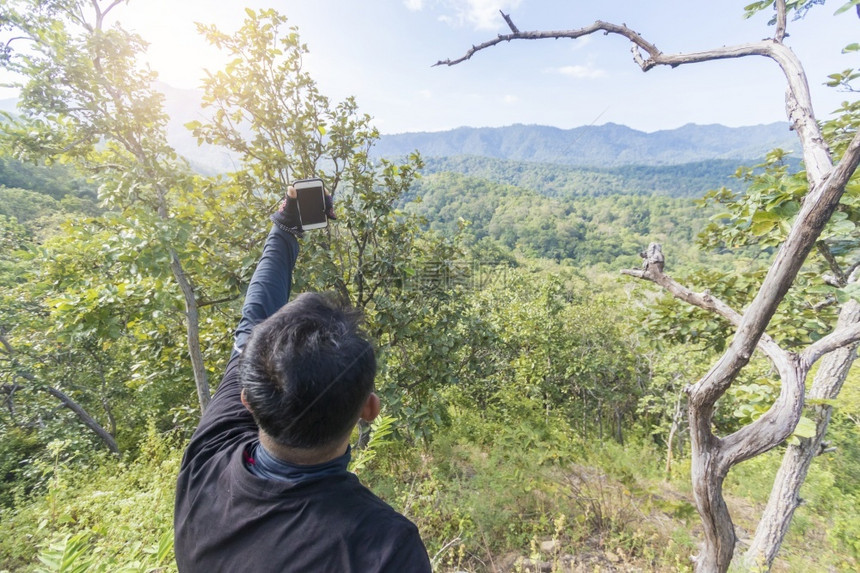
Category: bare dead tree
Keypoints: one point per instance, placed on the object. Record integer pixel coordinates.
(784, 497)
(713, 456)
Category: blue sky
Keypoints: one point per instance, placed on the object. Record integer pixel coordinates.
(382, 51)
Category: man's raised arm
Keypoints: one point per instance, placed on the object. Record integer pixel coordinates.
(269, 289)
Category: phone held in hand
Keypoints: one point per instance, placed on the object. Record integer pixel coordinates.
(310, 195)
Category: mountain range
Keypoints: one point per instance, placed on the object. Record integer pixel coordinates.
(595, 146)
(608, 145)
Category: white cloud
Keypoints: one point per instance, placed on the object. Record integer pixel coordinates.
(484, 14)
(586, 72)
(425, 94)
(510, 99)
(414, 5)
(480, 14)
(582, 42)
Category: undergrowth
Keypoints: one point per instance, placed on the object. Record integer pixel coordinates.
(482, 501)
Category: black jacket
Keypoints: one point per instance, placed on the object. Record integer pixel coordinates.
(227, 519)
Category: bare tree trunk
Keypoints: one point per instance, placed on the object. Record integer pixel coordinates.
(707, 475)
(676, 424)
(784, 497)
(192, 313)
(192, 328)
(599, 424)
(713, 456)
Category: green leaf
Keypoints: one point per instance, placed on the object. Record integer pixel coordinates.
(805, 428)
(848, 292)
(847, 6)
(762, 227)
(760, 216)
(842, 228)
(822, 402)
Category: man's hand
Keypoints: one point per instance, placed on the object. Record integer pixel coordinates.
(329, 207)
(287, 218)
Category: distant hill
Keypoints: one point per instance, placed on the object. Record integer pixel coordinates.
(181, 106)
(552, 180)
(8, 104)
(608, 145)
(597, 146)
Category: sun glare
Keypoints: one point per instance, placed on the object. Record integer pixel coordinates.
(176, 50)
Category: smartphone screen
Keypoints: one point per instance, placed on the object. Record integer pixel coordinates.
(310, 194)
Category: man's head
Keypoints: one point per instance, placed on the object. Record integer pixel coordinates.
(307, 372)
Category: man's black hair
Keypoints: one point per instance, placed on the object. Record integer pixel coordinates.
(307, 371)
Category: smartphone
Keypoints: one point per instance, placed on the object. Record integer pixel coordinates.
(310, 195)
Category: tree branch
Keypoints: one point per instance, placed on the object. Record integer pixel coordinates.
(8, 347)
(798, 101)
(64, 398)
(655, 56)
(776, 424)
(834, 340)
(817, 208)
(779, 6)
(84, 416)
(510, 22)
(654, 273)
(840, 278)
(210, 302)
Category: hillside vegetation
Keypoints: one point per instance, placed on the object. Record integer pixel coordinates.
(608, 145)
(532, 441)
(534, 398)
(552, 180)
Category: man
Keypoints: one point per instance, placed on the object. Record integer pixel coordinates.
(264, 484)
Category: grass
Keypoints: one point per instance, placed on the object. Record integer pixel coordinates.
(481, 504)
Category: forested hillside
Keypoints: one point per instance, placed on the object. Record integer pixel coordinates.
(553, 180)
(57, 181)
(608, 230)
(608, 145)
(693, 153)
(535, 400)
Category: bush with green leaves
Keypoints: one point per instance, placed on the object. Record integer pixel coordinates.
(96, 514)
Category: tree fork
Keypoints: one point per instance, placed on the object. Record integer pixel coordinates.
(784, 500)
(713, 457)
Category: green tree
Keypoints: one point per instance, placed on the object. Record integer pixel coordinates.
(85, 99)
(35, 365)
(827, 176)
(265, 107)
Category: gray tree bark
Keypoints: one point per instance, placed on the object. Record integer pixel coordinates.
(784, 497)
(713, 456)
(677, 417)
(192, 331)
